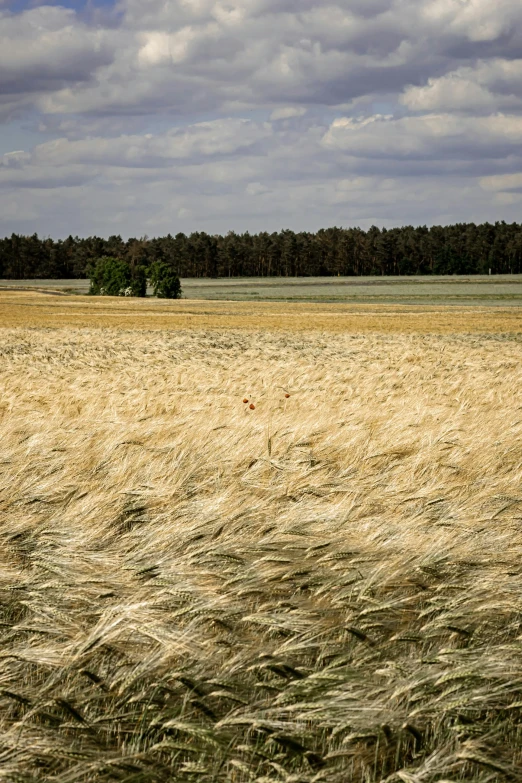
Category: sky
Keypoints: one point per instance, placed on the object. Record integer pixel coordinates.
(148, 117)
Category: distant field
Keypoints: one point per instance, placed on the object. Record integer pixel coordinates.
(37, 309)
(475, 290)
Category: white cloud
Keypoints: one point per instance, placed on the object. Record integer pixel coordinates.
(219, 137)
(210, 55)
(15, 159)
(503, 182)
(159, 48)
(287, 113)
(430, 137)
(163, 109)
(244, 175)
(187, 57)
(44, 48)
(257, 189)
(477, 20)
(486, 87)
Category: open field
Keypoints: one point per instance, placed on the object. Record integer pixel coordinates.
(324, 588)
(23, 308)
(472, 290)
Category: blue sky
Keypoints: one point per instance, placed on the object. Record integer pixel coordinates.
(181, 115)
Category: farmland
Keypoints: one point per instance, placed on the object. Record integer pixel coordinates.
(323, 587)
(39, 309)
(450, 290)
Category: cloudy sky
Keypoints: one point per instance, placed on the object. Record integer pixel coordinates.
(154, 116)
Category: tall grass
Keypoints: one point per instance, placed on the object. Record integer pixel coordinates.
(325, 588)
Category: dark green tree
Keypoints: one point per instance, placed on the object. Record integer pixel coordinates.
(113, 277)
(464, 248)
(164, 281)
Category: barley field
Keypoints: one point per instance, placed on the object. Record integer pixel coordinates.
(322, 583)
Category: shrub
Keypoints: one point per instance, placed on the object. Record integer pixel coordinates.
(165, 281)
(113, 277)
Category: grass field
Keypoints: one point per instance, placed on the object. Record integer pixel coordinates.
(326, 587)
(503, 290)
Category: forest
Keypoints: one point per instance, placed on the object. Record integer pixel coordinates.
(464, 248)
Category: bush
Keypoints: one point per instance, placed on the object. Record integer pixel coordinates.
(165, 282)
(113, 277)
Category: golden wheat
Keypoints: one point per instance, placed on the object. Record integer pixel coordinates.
(325, 588)
(23, 309)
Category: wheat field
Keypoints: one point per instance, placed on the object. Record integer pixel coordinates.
(54, 309)
(326, 587)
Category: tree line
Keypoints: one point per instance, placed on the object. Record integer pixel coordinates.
(464, 248)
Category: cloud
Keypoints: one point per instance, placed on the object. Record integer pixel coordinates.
(206, 139)
(174, 156)
(246, 175)
(488, 86)
(14, 159)
(258, 113)
(194, 56)
(210, 55)
(287, 113)
(45, 47)
(440, 137)
(477, 20)
(505, 183)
